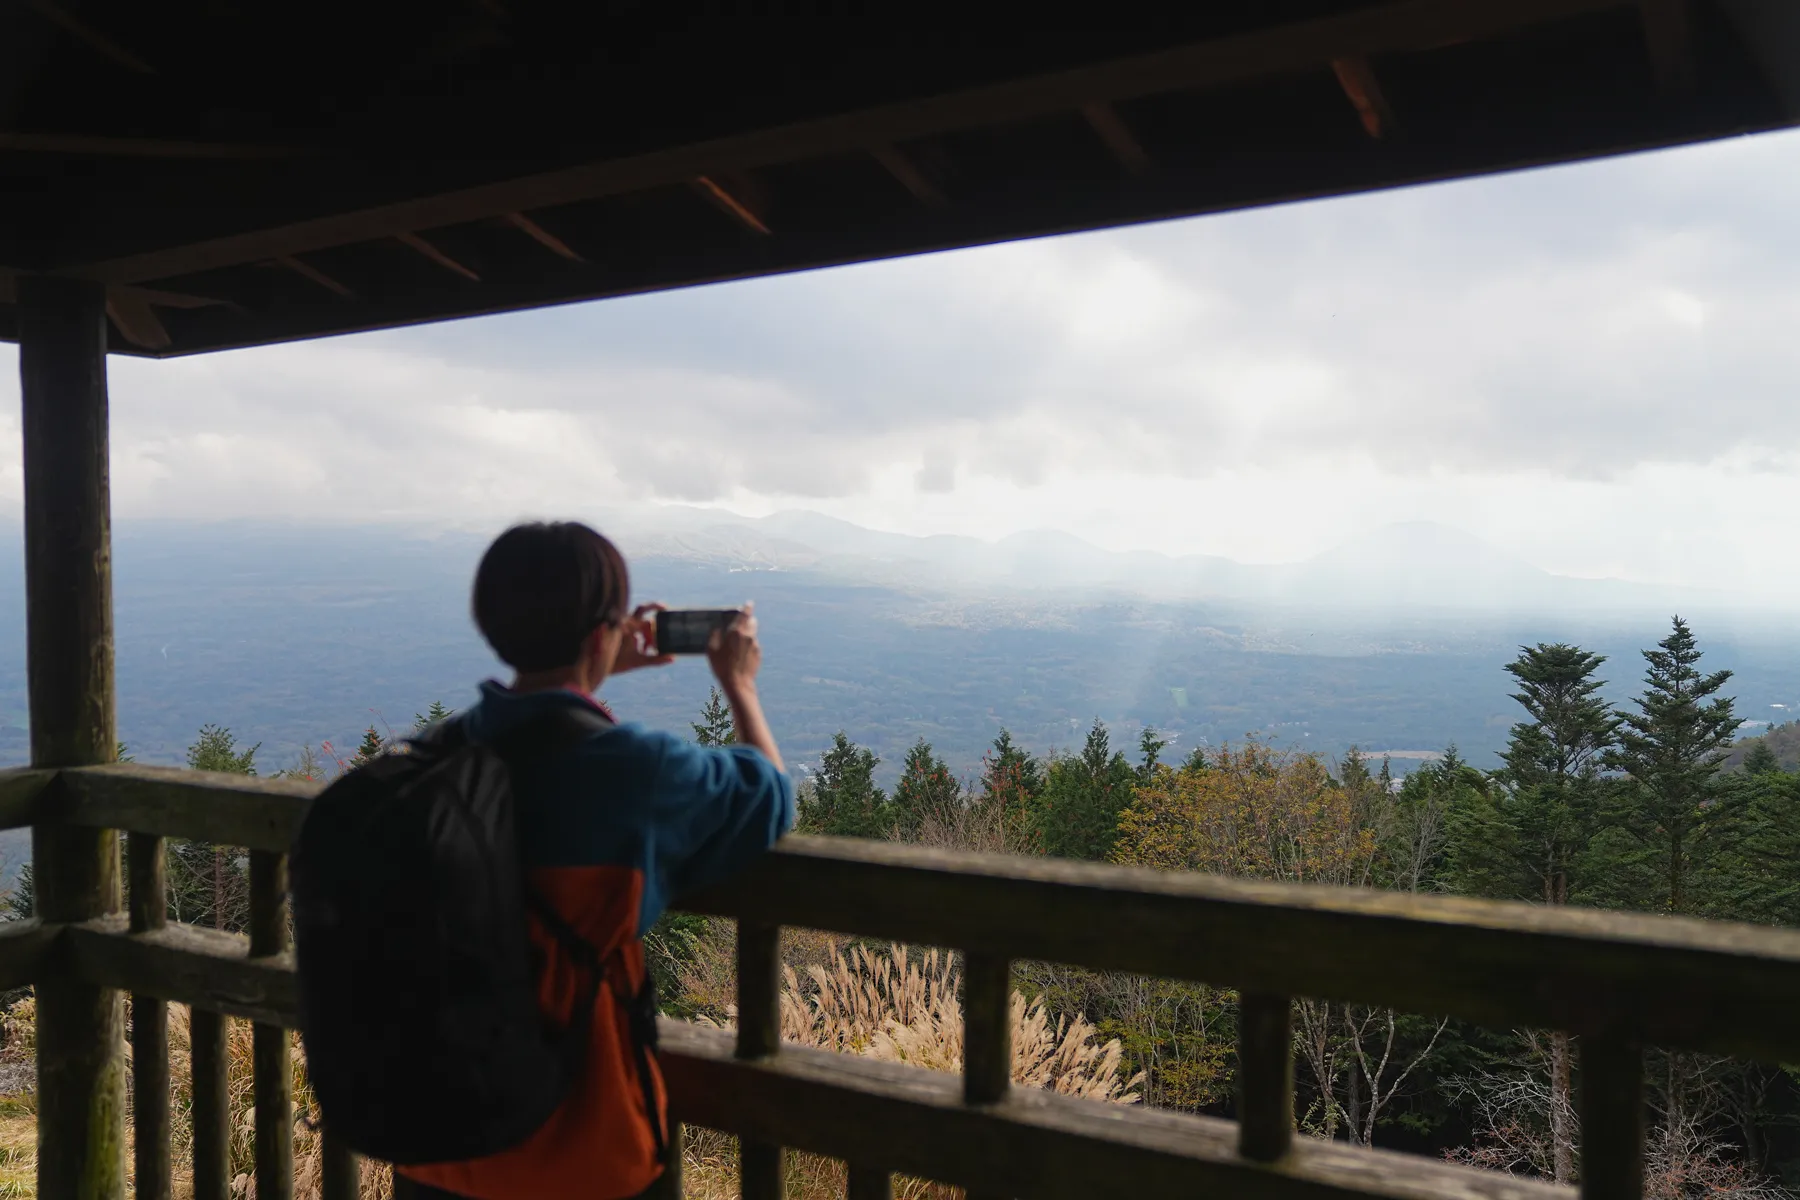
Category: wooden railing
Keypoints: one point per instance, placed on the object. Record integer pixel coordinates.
(1620, 981)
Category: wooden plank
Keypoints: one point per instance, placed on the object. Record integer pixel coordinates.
(340, 1170)
(910, 177)
(231, 810)
(69, 657)
(211, 1106)
(542, 236)
(868, 1183)
(1032, 1144)
(762, 1173)
(307, 271)
(1612, 1119)
(152, 1162)
(414, 242)
(729, 204)
(1723, 988)
(273, 1065)
(1104, 119)
(1363, 90)
(23, 793)
(758, 989)
(202, 967)
(25, 947)
(1265, 1076)
(135, 319)
(147, 902)
(1399, 27)
(987, 1038)
(987, 1028)
(762, 1170)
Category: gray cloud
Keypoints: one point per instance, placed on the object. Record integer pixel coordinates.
(1574, 324)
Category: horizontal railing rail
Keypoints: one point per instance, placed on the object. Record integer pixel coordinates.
(1621, 980)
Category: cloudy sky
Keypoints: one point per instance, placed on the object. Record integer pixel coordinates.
(1596, 368)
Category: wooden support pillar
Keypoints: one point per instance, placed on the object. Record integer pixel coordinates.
(1611, 1096)
(761, 1165)
(987, 1034)
(69, 666)
(272, 1065)
(1265, 1076)
(151, 1137)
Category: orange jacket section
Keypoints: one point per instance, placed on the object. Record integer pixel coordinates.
(599, 1145)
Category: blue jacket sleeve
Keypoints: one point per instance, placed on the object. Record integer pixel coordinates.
(716, 809)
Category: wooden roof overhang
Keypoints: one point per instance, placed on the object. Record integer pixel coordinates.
(239, 174)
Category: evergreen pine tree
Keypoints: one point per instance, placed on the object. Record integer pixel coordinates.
(216, 750)
(370, 748)
(1523, 840)
(927, 791)
(1011, 780)
(844, 800)
(1670, 749)
(209, 885)
(1077, 814)
(715, 726)
(1760, 760)
(1150, 747)
(431, 716)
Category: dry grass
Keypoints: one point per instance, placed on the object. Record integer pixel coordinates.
(892, 1005)
(18, 1114)
(903, 1007)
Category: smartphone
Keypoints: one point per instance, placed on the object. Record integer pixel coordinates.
(686, 630)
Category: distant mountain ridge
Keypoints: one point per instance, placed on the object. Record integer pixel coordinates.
(1418, 564)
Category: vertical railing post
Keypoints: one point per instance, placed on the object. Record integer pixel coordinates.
(212, 1112)
(152, 1178)
(760, 1166)
(273, 1084)
(69, 667)
(987, 1032)
(1612, 1119)
(1265, 1076)
(340, 1170)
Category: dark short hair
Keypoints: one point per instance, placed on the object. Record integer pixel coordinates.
(542, 588)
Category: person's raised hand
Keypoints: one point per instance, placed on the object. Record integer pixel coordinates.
(735, 654)
(638, 647)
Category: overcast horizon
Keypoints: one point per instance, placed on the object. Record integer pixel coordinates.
(1587, 367)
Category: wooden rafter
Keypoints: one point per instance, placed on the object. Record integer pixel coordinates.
(119, 147)
(1401, 26)
(542, 236)
(135, 319)
(730, 205)
(95, 40)
(307, 271)
(1668, 39)
(1357, 78)
(910, 177)
(1105, 121)
(437, 256)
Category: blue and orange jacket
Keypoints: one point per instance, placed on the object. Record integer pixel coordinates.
(610, 830)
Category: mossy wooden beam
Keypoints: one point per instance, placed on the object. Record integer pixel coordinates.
(1675, 982)
(1681, 983)
(69, 671)
(1032, 1144)
(211, 806)
(201, 967)
(25, 947)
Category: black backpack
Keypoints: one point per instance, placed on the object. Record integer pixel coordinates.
(418, 979)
